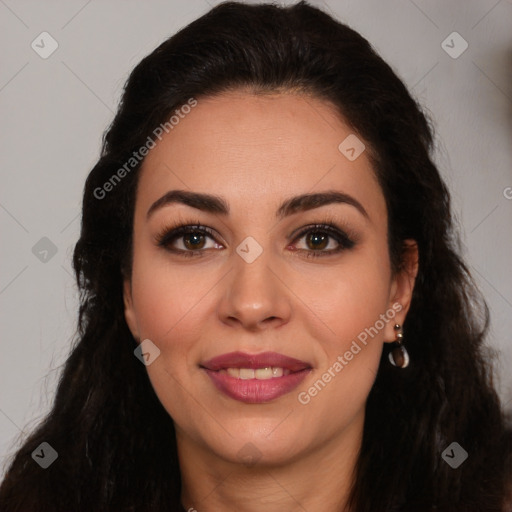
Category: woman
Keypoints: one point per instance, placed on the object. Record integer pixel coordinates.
(273, 311)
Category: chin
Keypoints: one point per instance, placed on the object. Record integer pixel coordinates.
(259, 444)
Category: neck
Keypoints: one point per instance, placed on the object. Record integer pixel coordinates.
(318, 479)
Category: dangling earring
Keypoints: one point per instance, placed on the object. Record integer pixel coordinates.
(398, 355)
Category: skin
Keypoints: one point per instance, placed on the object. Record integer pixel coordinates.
(256, 150)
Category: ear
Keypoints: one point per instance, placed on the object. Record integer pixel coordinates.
(129, 311)
(402, 287)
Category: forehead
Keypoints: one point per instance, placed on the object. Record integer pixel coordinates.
(256, 150)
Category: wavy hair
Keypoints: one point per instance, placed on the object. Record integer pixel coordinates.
(116, 442)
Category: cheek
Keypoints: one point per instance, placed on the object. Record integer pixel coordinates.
(354, 312)
(170, 302)
(348, 298)
(167, 295)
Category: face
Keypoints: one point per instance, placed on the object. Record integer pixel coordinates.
(310, 280)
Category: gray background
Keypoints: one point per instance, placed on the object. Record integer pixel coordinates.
(55, 110)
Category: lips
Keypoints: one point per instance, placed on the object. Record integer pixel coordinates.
(255, 378)
(255, 361)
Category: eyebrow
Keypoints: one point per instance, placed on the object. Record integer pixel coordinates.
(215, 204)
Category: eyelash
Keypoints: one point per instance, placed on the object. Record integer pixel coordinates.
(171, 232)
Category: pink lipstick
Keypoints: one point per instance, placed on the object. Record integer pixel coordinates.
(256, 378)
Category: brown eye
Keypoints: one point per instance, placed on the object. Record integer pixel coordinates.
(187, 240)
(193, 241)
(316, 240)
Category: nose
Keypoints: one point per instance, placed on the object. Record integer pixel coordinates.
(254, 295)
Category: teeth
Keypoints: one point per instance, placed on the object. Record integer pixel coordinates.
(246, 373)
(263, 373)
(234, 372)
(270, 372)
